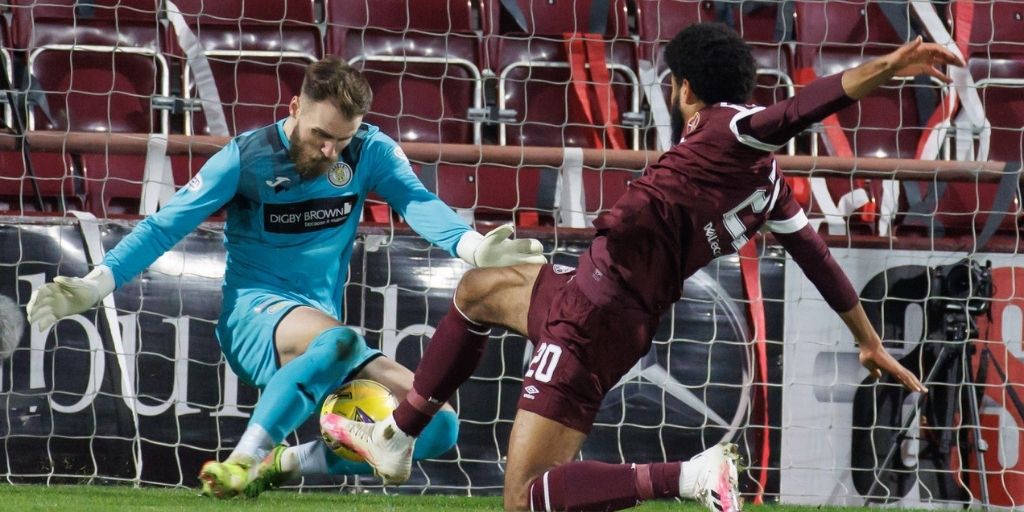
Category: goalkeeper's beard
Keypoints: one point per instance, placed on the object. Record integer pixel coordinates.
(308, 167)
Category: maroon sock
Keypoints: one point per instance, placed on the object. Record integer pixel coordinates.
(451, 357)
(592, 485)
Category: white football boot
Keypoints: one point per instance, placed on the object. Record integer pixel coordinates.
(713, 478)
(385, 447)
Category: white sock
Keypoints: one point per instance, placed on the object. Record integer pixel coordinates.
(309, 458)
(253, 447)
(688, 479)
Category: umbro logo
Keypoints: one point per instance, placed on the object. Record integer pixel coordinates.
(529, 391)
(280, 180)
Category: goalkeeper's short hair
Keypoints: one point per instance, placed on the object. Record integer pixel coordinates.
(332, 79)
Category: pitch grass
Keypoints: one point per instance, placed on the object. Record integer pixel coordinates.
(89, 498)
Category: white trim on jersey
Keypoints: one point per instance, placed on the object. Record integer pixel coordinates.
(547, 493)
(742, 137)
(790, 225)
(776, 187)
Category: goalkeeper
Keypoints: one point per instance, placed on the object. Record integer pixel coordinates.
(293, 192)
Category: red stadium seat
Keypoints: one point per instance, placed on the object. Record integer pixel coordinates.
(409, 50)
(659, 21)
(497, 194)
(997, 27)
(1000, 82)
(107, 86)
(535, 86)
(258, 51)
(833, 36)
(57, 183)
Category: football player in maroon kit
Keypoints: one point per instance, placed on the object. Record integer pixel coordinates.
(703, 198)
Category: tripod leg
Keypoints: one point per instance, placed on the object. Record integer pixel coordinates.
(891, 454)
(940, 362)
(974, 416)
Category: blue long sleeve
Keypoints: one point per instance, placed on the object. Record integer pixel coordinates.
(214, 186)
(425, 212)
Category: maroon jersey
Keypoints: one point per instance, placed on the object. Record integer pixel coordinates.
(706, 197)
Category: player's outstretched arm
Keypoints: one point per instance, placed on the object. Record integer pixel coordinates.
(67, 296)
(825, 96)
(873, 355)
(912, 59)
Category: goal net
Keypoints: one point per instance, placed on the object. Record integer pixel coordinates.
(540, 114)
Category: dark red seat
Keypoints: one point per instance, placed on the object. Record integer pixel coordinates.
(659, 21)
(410, 51)
(59, 183)
(534, 78)
(495, 193)
(258, 51)
(1000, 82)
(94, 77)
(834, 36)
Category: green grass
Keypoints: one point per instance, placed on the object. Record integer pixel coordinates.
(106, 498)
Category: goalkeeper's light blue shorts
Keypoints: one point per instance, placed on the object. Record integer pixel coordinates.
(246, 334)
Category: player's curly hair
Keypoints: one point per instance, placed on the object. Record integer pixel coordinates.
(715, 60)
(333, 79)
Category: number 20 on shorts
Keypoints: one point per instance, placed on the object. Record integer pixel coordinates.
(544, 361)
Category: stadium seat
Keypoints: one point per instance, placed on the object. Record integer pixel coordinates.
(411, 50)
(258, 51)
(997, 27)
(496, 193)
(88, 76)
(659, 21)
(1000, 82)
(536, 94)
(55, 185)
(995, 53)
(833, 36)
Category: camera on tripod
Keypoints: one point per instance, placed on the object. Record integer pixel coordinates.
(960, 292)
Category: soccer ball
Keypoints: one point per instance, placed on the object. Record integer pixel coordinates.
(359, 400)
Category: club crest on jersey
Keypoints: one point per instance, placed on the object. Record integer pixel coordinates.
(340, 174)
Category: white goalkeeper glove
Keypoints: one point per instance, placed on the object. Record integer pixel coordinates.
(496, 250)
(67, 296)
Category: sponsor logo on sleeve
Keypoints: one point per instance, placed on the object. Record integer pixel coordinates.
(308, 216)
(561, 269)
(195, 183)
(399, 154)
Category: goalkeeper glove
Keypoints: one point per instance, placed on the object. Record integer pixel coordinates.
(67, 296)
(496, 250)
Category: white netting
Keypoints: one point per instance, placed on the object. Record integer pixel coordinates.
(512, 76)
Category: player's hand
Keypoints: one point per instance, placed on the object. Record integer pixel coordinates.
(917, 58)
(67, 296)
(877, 360)
(495, 249)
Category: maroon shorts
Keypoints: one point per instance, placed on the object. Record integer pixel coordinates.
(580, 350)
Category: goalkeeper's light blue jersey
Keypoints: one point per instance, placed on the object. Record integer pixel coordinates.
(285, 234)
